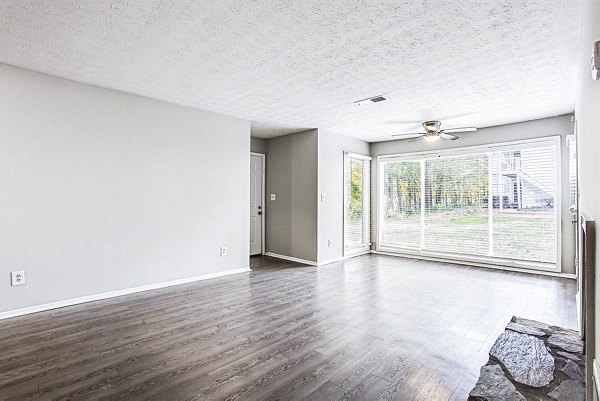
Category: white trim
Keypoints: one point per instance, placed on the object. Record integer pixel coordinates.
(357, 156)
(263, 196)
(361, 253)
(291, 258)
(326, 262)
(558, 203)
(312, 263)
(467, 258)
(595, 382)
(344, 200)
(118, 293)
(477, 264)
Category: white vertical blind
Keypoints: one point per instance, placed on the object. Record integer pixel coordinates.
(456, 191)
(402, 203)
(357, 204)
(497, 203)
(524, 192)
(572, 143)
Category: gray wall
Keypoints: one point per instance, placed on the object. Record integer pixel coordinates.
(552, 126)
(258, 145)
(331, 179)
(102, 190)
(292, 174)
(588, 135)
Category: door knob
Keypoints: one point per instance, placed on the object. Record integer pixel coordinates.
(259, 213)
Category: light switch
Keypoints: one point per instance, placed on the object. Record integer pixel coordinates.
(322, 197)
(273, 197)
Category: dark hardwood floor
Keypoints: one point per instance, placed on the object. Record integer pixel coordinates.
(369, 328)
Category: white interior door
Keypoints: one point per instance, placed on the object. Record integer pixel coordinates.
(256, 203)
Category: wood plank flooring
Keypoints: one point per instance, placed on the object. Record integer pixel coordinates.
(369, 328)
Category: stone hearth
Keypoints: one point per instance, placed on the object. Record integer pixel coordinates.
(533, 361)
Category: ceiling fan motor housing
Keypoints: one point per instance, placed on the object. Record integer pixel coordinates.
(432, 125)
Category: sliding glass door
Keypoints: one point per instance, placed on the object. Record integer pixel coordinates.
(357, 204)
(498, 203)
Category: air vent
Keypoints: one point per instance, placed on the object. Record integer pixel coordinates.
(374, 99)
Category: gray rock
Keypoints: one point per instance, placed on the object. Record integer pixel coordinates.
(525, 357)
(494, 386)
(570, 343)
(543, 326)
(532, 323)
(573, 370)
(569, 390)
(568, 355)
(521, 328)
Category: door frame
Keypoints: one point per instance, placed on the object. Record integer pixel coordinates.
(263, 199)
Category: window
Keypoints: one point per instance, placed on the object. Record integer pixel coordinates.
(572, 144)
(496, 202)
(357, 205)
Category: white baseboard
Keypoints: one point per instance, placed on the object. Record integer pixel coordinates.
(313, 263)
(112, 294)
(468, 263)
(291, 258)
(326, 262)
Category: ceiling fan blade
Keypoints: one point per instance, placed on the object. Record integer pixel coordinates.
(457, 130)
(445, 135)
(409, 135)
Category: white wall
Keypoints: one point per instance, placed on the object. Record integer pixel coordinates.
(102, 190)
(292, 174)
(560, 125)
(587, 112)
(331, 179)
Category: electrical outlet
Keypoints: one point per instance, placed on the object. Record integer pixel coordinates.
(273, 197)
(17, 277)
(329, 243)
(223, 251)
(322, 197)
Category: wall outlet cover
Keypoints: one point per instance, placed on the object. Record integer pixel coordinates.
(17, 277)
(273, 197)
(223, 251)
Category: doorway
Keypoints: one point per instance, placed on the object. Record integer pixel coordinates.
(257, 201)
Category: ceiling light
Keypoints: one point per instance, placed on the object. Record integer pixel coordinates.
(431, 138)
(374, 99)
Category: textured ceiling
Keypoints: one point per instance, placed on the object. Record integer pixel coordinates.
(290, 65)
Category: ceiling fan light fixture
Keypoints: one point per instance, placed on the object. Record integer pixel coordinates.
(431, 138)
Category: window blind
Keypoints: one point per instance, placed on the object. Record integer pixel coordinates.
(497, 203)
(456, 190)
(402, 203)
(357, 205)
(572, 144)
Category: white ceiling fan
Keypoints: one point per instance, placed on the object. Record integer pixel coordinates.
(433, 132)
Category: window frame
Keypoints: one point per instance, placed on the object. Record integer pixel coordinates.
(554, 141)
(367, 189)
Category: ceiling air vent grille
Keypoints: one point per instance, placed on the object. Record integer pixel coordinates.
(374, 99)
